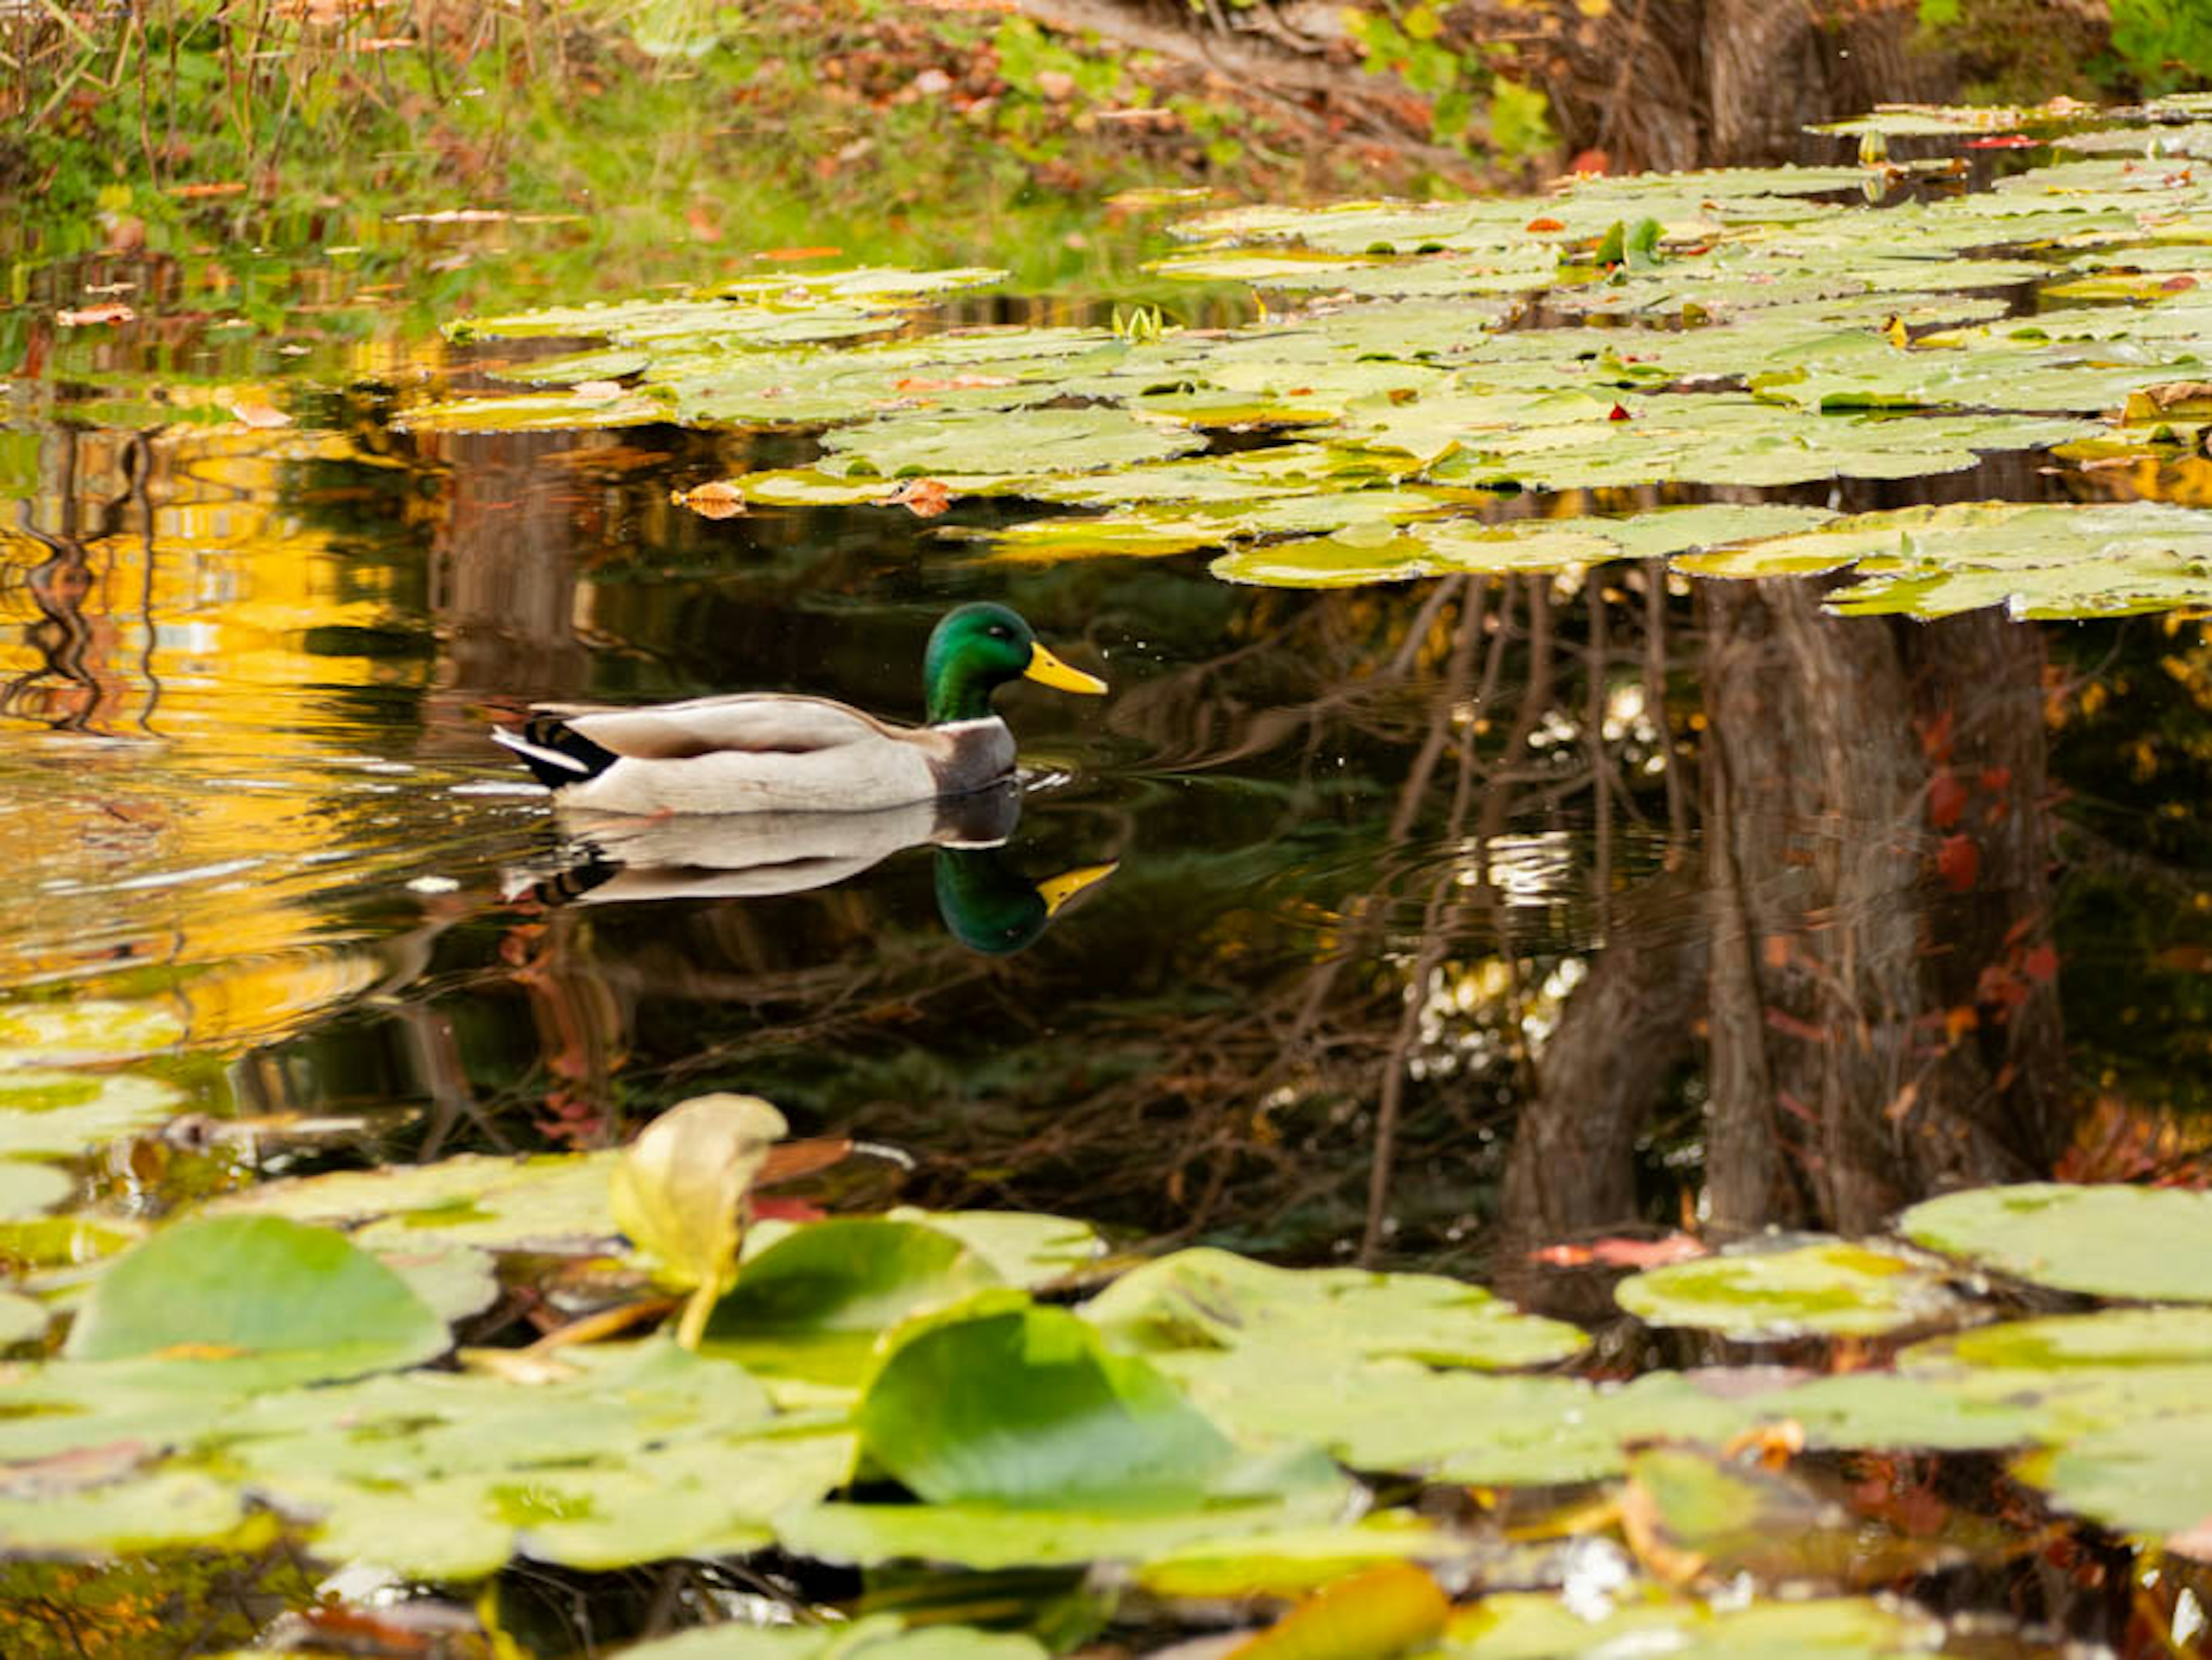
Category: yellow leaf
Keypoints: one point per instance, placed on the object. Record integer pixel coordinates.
(1373, 1615)
(680, 1191)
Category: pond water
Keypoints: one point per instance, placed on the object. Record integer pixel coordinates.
(1445, 918)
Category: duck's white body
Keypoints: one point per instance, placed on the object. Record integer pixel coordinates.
(754, 752)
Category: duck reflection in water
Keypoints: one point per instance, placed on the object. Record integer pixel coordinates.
(986, 903)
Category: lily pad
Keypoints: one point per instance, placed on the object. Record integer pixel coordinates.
(27, 1189)
(1047, 441)
(555, 1203)
(2149, 1243)
(1215, 1299)
(63, 1113)
(879, 1637)
(814, 1303)
(1012, 1404)
(305, 1301)
(1829, 1289)
(2056, 560)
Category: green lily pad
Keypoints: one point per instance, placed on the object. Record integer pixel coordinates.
(879, 1636)
(2153, 1477)
(2147, 1244)
(1047, 441)
(1012, 1405)
(2037, 560)
(555, 1203)
(990, 1536)
(814, 1303)
(158, 1512)
(1485, 1430)
(1830, 1289)
(306, 1301)
(1215, 1299)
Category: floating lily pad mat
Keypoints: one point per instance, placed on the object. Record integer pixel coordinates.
(1830, 1289)
(2151, 1244)
(1739, 327)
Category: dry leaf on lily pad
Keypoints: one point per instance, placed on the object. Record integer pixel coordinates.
(679, 1192)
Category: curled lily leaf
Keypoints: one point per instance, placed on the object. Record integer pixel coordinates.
(680, 1193)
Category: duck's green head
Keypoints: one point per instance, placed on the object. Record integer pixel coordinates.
(977, 648)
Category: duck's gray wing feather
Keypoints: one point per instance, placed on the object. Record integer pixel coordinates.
(747, 722)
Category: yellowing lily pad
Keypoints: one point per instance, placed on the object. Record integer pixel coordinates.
(1830, 1289)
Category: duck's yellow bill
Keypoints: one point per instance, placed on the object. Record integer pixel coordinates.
(1057, 890)
(1050, 670)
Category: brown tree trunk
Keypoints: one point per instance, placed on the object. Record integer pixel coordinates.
(1884, 1021)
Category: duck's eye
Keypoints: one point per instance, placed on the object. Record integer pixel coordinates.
(1001, 631)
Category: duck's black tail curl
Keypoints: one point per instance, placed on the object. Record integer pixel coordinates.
(556, 754)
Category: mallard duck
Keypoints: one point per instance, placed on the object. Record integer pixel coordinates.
(781, 753)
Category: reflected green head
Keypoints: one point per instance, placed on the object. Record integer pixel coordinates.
(977, 648)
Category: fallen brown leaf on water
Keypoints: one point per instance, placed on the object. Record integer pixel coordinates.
(925, 498)
(720, 499)
(112, 311)
(798, 253)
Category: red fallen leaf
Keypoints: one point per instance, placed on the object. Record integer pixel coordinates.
(2003, 141)
(1563, 1257)
(786, 1210)
(1620, 413)
(952, 383)
(1647, 1253)
(798, 253)
(1996, 779)
(2175, 284)
(2041, 964)
(112, 311)
(925, 498)
(1591, 161)
(1947, 800)
(1958, 862)
(1546, 224)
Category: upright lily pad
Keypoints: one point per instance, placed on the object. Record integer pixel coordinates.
(306, 1302)
(2147, 1243)
(1830, 1289)
(1215, 1299)
(814, 1303)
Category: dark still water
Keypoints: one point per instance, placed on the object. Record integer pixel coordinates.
(1438, 913)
